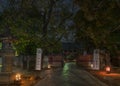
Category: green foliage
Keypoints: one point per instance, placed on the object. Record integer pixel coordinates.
(33, 24)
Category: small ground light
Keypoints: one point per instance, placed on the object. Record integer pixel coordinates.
(91, 65)
(49, 66)
(18, 77)
(107, 69)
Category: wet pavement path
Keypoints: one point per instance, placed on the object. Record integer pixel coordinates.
(69, 75)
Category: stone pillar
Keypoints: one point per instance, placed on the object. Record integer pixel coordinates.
(7, 54)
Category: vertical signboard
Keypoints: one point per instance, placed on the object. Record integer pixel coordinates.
(96, 60)
(38, 59)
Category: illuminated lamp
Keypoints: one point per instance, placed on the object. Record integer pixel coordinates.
(108, 69)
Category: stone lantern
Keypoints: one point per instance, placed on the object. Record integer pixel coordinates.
(7, 53)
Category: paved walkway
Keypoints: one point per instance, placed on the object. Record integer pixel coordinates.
(70, 75)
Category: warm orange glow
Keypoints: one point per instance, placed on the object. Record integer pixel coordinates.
(107, 69)
(103, 73)
(18, 77)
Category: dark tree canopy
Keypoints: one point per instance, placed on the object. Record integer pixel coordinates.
(99, 22)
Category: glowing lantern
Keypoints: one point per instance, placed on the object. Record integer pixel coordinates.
(108, 69)
(91, 65)
(49, 66)
(18, 77)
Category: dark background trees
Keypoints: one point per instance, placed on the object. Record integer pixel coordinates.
(98, 22)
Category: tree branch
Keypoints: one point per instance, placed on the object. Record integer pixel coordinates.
(117, 28)
(99, 5)
(118, 3)
(47, 17)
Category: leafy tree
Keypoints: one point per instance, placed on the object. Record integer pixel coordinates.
(33, 22)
